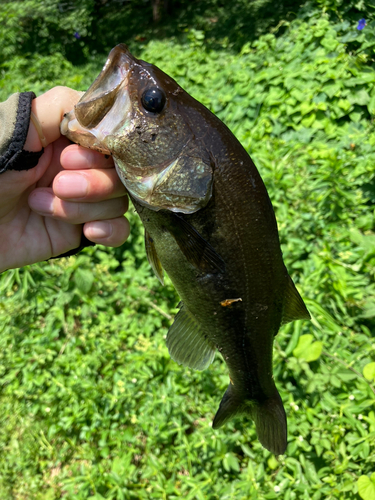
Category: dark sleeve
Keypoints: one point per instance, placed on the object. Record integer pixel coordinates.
(14, 125)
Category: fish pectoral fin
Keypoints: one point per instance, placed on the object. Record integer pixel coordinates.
(195, 248)
(153, 258)
(268, 415)
(294, 306)
(187, 343)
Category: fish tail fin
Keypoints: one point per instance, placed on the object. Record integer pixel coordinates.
(270, 423)
(268, 415)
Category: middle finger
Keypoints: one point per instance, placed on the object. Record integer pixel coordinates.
(76, 157)
(88, 185)
(44, 202)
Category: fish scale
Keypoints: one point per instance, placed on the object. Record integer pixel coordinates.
(209, 223)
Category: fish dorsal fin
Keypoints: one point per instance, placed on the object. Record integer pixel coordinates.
(187, 343)
(153, 258)
(195, 248)
(294, 307)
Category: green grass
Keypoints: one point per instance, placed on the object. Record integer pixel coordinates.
(92, 406)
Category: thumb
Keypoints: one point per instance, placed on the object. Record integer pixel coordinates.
(49, 108)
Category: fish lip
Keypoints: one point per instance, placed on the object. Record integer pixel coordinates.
(64, 125)
(81, 136)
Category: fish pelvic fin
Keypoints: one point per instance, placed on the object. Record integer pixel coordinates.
(294, 306)
(153, 258)
(268, 415)
(188, 345)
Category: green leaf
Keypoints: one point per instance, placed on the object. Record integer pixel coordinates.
(371, 105)
(84, 280)
(298, 94)
(272, 462)
(349, 37)
(308, 350)
(369, 371)
(308, 120)
(368, 310)
(355, 116)
(366, 487)
(329, 43)
(306, 107)
(344, 104)
(332, 89)
(360, 97)
(230, 462)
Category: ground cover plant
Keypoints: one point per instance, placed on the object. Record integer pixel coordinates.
(91, 405)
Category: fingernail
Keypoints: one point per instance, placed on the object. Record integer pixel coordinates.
(69, 185)
(101, 230)
(42, 202)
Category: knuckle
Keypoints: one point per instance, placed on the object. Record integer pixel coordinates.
(75, 212)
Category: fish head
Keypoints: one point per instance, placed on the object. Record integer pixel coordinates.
(140, 116)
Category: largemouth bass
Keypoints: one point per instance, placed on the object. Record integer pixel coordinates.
(208, 222)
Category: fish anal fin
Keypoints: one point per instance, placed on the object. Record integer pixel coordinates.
(268, 415)
(153, 258)
(195, 248)
(230, 406)
(294, 307)
(188, 344)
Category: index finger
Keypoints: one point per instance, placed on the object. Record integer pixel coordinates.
(49, 109)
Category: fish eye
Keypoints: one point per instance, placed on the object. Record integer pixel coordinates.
(153, 99)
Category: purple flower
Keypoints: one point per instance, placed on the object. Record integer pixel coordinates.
(77, 35)
(361, 24)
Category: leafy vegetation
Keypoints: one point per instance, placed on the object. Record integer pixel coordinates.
(92, 407)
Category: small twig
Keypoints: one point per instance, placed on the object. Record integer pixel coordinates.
(347, 266)
(68, 339)
(349, 368)
(157, 308)
(154, 306)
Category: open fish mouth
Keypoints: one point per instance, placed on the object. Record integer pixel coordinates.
(105, 108)
(131, 113)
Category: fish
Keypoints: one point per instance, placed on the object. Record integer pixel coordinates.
(209, 224)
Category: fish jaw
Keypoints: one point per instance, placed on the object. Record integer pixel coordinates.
(75, 133)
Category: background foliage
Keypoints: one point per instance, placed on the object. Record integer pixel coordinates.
(91, 406)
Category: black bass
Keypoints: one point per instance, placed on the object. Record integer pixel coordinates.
(208, 222)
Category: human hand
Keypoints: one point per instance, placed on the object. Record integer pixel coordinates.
(44, 210)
